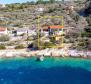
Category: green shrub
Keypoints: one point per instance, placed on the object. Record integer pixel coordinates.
(29, 39)
(52, 39)
(75, 17)
(4, 38)
(20, 46)
(11, 43)
(48, 45)
(81, 44)
(2, 47)
(86, 34)
(89, 20)
(51, 10)
(40, 2)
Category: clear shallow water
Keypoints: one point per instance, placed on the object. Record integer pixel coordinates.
(50, 71)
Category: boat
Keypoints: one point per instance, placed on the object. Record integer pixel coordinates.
(40, 58)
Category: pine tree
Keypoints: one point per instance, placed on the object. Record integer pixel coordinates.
(52, 1)
(40, 1)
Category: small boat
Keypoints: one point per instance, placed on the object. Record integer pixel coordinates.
(40, 58)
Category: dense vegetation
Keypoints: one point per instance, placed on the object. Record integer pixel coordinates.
(20, 46)
(4, 38)
(2, 46)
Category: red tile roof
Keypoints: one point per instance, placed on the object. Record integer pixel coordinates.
(2, 29)
(56, 27)
(53, 27)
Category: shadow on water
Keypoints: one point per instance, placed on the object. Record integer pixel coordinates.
(54, 75)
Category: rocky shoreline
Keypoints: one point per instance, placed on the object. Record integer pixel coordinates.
(46, 53)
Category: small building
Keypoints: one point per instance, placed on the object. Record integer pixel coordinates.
(40, 9)
(2, 5)
(3, 31)
(21, 31)
(54, 32)
(54, 29)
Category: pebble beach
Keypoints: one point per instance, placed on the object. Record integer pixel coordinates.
(45, 52)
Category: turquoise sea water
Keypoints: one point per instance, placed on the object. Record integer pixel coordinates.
(50, 71)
